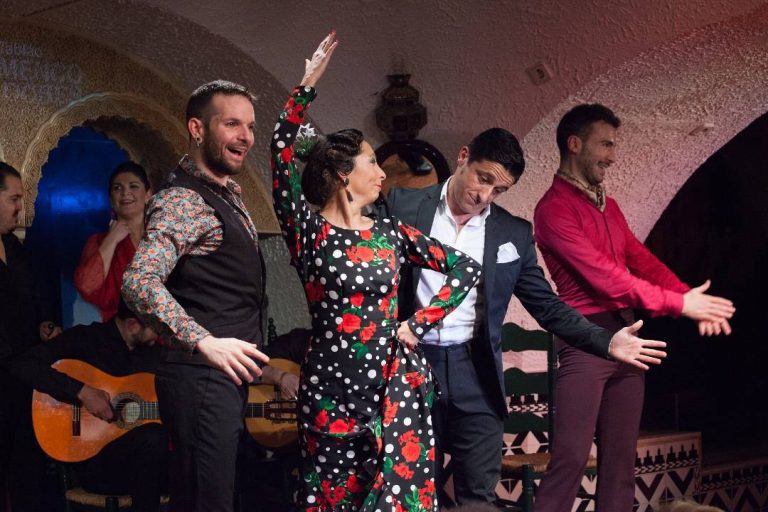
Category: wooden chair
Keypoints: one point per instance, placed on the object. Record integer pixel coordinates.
(76, 498)
(533, 407)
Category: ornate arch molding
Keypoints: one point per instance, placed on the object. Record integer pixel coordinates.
(90, 109)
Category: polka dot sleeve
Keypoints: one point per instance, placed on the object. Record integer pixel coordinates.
(461, 274)
(292, 210)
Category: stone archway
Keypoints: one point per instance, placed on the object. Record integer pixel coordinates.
(90, 109)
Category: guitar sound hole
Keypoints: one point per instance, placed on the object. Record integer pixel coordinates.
(131, 412)
(128, 410)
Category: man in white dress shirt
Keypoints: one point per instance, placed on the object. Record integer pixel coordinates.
(465, 349)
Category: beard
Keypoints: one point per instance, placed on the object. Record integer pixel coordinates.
(590, 170)
(215, 161)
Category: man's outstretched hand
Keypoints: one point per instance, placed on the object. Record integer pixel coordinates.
(628, 348)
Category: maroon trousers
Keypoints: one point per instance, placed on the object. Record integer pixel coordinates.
(600, 398)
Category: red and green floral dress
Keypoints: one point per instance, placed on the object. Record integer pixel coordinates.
(365, 429)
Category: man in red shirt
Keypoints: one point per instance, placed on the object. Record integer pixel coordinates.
(604, 272)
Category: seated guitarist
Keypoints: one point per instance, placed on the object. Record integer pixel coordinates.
(136, 463)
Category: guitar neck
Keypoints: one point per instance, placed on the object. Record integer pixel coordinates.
(151, 411)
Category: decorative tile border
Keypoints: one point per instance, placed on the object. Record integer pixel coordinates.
(668, 466)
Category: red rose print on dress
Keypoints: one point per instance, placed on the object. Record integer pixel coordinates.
(365, 254)
(403, 471)
(356, 300)
(367, 333)
(315, 291)
(321, 420)
(349, 323)
(415, 379)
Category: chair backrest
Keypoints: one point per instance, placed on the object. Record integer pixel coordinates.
(530, 395)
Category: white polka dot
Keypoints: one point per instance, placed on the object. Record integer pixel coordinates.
(336, 254)
(371, 374)
(280, 144)
(389, 448)
(350, 454)
(333, 295)
(455, 283)
(396, 489)
(359, 279)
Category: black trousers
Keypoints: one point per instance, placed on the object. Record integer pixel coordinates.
(135, 464)
(203, 411)
(466, 425)
(24, 483)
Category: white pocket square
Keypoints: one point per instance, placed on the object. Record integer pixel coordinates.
(507, 253)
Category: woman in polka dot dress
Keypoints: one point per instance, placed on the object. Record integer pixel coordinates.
(364, 421)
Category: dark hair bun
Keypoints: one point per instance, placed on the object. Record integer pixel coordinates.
(331, 157)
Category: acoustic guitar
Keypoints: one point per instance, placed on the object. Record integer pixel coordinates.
(277, 429)
(69, 433)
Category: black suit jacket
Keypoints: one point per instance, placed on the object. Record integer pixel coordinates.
(522, 277)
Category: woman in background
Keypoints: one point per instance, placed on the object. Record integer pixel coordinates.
(99, 275)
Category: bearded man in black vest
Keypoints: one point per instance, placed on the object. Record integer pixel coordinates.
(198, 278)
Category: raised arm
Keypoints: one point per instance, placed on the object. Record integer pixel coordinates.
(291, 208)
(461, 274)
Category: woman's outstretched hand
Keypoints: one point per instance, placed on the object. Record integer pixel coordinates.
(315, 67)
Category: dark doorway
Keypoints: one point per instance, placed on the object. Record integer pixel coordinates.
(72, 204)
(716, 228)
